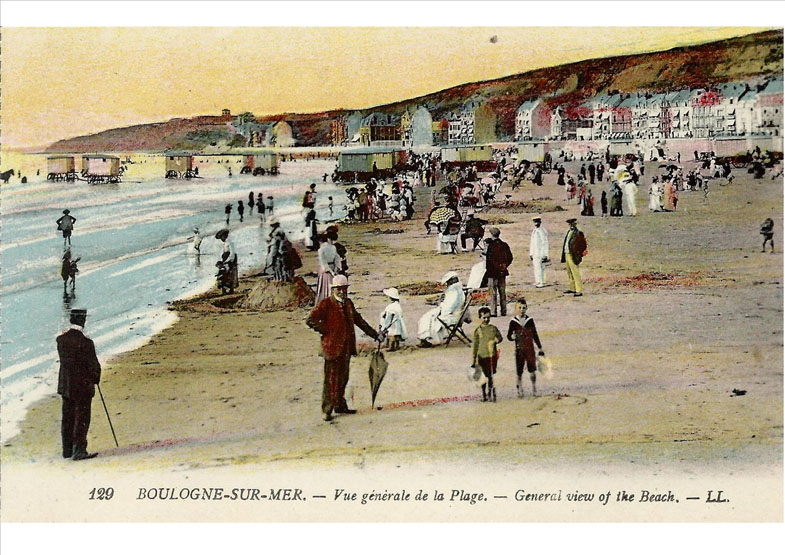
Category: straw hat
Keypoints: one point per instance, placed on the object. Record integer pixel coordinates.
(392, 292)
(448, 276)
(340, 281)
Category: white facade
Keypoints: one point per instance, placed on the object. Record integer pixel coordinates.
(524, 120)
(461, 130)
(770, 107)
(353, 123)
(556, 121)
(678, 110)
(422, 127)
(282, 135)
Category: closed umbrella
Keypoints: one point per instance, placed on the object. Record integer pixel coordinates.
(376, 372)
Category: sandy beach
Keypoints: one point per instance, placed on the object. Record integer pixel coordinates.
(679, 310)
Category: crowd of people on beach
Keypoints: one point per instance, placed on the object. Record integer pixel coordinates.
(459, 194)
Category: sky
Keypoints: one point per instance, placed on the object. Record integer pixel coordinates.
(60, 82)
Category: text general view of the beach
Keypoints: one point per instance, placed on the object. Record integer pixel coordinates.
(496, 277)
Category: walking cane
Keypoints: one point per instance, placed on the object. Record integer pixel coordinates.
(107, 415)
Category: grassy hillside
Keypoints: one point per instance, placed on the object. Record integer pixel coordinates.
(690, 66)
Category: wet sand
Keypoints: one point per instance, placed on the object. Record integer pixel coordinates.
(643, 368)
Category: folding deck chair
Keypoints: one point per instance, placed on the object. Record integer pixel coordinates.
(456, 330)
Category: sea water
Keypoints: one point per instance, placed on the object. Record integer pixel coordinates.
(134, 240)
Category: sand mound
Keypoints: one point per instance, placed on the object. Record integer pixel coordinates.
(269, 295)
(421, 288)
(389, 231)
(534, 206)
(652, 280)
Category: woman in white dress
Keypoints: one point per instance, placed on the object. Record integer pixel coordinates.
(430, 329)
(655, 196)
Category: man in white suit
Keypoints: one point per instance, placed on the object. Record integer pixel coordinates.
(538, 251)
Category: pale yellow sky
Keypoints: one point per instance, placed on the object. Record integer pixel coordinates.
(63, 82)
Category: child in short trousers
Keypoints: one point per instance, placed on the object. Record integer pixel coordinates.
(523, 331)
(484, 354)
(767, 230)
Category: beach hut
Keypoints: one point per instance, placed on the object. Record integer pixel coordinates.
(480, 156)
(260, 162)
(60, 168)
(101, 168)
(179, 166)
(533, 151)
(363, 163)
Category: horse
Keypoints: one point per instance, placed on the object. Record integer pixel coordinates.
(6, 175)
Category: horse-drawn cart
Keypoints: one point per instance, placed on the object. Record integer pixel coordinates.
(101, 168)
(61, 168)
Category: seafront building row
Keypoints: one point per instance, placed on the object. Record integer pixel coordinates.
(726, 119)
(728, 110)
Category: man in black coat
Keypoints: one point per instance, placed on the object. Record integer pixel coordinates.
(475, 229)
(79, 372)
(498, 258)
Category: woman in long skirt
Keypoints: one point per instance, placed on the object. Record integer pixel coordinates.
(655, 203)
(669, 205)
(312, 235)
(329, 267)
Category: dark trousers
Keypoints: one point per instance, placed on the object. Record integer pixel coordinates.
(498, 287)
(524, 361)
(474, 239)
(488, 366)
(76, 422)
(336, 376)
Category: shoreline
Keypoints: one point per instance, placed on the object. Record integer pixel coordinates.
(214, 372)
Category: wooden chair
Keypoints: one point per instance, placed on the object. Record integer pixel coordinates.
(456, 330)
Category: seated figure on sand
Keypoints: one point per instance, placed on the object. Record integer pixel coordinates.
(431, 328)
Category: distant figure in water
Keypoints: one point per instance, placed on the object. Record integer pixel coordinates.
(260, 207)
(230, 171)
(69, 269)
(270, 205)
(330, 204)
(197, 241)
(66, 224)
(324, 178)
(228, 212)
(240, 209)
